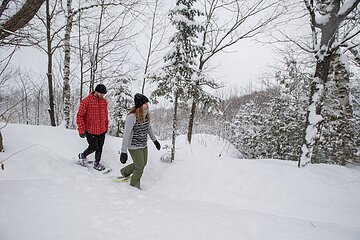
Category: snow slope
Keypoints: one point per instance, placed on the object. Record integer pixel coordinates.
(207, 193)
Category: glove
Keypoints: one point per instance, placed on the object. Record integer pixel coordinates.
(82, 135)
(123, 158)
(157, 145)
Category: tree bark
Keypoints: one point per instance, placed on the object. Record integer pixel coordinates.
(174, 127)
(51, 109)
(323, 56)
(342, 81)
(342, 93)
(191, 120)
(67, 55)
(21, 18)
(313, 116)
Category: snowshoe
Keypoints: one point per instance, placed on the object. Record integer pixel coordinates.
(122, 179)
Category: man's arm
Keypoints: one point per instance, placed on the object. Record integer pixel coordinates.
(80, 117)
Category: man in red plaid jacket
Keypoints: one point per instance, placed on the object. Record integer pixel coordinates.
(92, 121)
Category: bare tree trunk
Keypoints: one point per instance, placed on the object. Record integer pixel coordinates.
(95, 54)
(81, 57)
(150, 49)
(195, 97)
(21, 18)
(38, 99)
(25, 92)
(191, 120)
(66, 87)
(342, 81)
(323, 55)
(342, 93)
(174, 127)
(313, 116)
(51, 109)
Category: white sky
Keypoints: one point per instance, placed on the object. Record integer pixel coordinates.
(240, 67)
(244, 63)
(45, 195)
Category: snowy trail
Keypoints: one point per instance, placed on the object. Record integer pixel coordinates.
(86, 207)
(44, 195)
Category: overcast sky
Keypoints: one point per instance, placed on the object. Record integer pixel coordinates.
(238, 69)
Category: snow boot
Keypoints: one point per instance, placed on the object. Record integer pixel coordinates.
(99, 167)
(82, 160)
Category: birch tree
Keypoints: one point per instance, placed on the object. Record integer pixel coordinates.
(66, 75)
(326, 18)
(70, 15)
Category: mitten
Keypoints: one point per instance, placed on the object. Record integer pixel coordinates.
(157, 145)
(123, 158)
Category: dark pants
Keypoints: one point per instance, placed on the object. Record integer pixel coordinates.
(96, 143)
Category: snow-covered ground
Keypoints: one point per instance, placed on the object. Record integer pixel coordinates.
(207, 193)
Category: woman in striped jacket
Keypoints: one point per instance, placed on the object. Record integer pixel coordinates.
(137, 127)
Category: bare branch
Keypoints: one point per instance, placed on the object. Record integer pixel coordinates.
(21, 18)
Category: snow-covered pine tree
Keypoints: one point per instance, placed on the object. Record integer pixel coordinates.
(180, 72)
(272, 127)
(249, 128)
(288, 108)
(284, 129)
(122, 101)
(244, 130)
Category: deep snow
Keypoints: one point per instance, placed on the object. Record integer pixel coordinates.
(207, 193)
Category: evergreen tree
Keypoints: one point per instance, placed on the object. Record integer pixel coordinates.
(246, 131)
(123, 100)
(271, 126)
(177, 78)
(288, 110)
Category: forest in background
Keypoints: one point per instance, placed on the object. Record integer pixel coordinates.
(307, 109)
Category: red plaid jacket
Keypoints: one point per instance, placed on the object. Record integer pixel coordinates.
(92, 116)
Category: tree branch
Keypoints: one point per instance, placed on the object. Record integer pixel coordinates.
(21, 18)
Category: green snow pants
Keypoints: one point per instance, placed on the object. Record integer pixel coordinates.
(136, 168)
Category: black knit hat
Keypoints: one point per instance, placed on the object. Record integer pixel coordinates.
(100, 88)
(140, 99)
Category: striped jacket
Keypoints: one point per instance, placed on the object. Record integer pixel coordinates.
(135, 133)
(92, 116)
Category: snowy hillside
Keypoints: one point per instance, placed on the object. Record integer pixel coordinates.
(207, 193)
